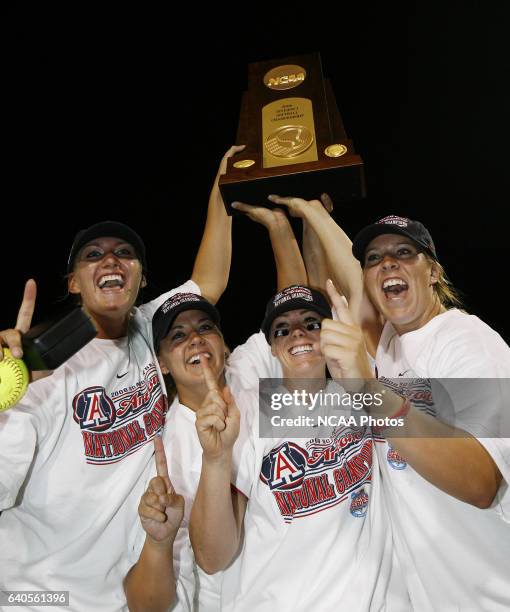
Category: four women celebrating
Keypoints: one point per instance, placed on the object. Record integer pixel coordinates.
(408, 518)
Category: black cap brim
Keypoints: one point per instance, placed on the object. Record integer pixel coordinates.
(296, 304)
(162, 322)
(105, 229)
(368, 233)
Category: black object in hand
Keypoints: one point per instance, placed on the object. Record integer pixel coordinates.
(48, 345)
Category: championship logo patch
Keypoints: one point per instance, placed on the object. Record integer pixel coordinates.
(294, 292)
(396, 461)
(177, 299)
(394, 220)
(359, 503)
(93, 410)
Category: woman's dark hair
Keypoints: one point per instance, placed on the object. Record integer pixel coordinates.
(171, 389)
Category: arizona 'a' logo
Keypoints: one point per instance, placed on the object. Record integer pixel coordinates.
(284, 467)
(359, 503)
(93, 409)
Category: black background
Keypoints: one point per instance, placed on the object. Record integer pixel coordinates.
(126, 115)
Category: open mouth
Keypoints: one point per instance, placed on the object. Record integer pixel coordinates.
(393, 287)
(195, 359)
(302, 349)
(111, 281)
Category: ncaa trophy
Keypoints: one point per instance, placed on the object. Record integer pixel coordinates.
(295, 140)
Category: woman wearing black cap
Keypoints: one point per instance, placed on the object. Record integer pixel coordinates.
(453, 477)
(75, 451)
(445, 471)
(186, 331)
(306, 527)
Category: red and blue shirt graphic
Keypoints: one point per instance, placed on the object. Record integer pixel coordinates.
(116, 424)
(310, 476)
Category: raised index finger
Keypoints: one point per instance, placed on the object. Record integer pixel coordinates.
(342, 311)
(27, 307)
(160, 456)
(210, 381)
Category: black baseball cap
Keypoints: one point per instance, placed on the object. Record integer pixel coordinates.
(295, 297)
(392, 224)
(173, 306)
(103, 229)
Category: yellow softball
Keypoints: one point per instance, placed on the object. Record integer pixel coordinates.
(14, 380)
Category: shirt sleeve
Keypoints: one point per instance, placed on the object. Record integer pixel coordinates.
(18, 433)
(475, 405)
(23, 429)
(499, 450)
(251, 361)
(471, 363)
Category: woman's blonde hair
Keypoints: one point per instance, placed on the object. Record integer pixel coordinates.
(443, 288)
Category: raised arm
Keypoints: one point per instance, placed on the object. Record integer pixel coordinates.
(313, 253)
(345, 269)
(290, 268)
(212, 263)
(446, 456)
(150, 583)
(217, 514)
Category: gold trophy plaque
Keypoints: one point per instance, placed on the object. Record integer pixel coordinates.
(294, 136)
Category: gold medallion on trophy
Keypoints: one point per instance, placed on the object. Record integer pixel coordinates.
(289, 141)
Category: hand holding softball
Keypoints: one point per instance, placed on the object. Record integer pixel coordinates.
(217, 419)
(12, 337)
(14, 376)
(161, 509)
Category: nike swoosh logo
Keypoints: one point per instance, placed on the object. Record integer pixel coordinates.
(121, 375)
(401, 373)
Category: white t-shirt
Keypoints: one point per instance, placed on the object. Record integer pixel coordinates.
(75, 454)
(196, 589)
(251, 361)
(454, 555)
(184, 457)
(315, 530)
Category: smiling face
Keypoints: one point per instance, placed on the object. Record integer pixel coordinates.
(293, 335)
(107, 275)
(193, 336)
(399, 280)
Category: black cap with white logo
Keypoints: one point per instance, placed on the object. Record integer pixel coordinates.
(414, 230)
(295, 297)
(173, 306)
(105, 229)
